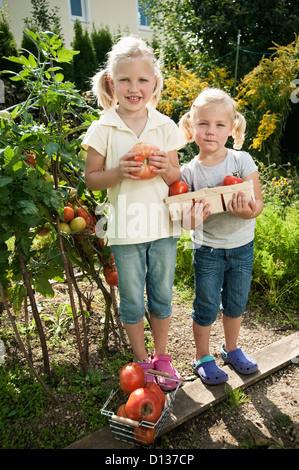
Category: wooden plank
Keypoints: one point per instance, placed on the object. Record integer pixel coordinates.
(195, 397)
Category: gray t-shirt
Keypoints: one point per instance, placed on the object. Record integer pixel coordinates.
(223, 230)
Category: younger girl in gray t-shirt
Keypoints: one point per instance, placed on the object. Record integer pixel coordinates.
(223, 243)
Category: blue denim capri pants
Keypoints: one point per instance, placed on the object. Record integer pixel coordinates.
(222, 281)
(150, 265)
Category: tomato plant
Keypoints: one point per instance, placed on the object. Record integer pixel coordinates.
(131, 377)
(143, 405)
(231, 179)
(144, 435)
(157, 390)
(144, 151)
(40, 156)
(179, 187)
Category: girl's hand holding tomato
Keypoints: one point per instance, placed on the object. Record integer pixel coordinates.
(128, 167)
(143, 154)
(160, 163)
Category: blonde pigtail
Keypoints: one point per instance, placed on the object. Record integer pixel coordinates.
(158, 88)
(103, 91)
(238, 132)
(186, 127)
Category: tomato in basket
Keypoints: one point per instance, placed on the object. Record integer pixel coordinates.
(179, 187)
(143, 435)
(231, 179)
(122, 411)
(131, 377)
(143, 405)
(157, 390)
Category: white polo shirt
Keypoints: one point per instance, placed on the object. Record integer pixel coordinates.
(137, 210)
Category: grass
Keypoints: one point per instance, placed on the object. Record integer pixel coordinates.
(24, 406)
(234, 398)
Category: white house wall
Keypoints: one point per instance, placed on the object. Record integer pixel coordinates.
(118, 15)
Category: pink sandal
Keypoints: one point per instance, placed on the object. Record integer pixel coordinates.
(147, 365)
(162, 363)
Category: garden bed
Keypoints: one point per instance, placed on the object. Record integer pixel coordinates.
(269, 415)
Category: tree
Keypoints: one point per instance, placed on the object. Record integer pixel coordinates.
(85, 63)
(102, 43)
(42, 19)
(210, 28)
(7, 44)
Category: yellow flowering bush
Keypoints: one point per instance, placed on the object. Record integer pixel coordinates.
(265, 97)
(267, 127)
(182, 86)
(279, 183)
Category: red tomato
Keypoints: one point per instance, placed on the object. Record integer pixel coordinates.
(81, 212)
(144, 150)
(122, 411)
(131, 377)
(44, 231)
(157, 390)
(231, 179)
(143, 435)
(30, 159)
(68, 213)
(143, 404)
(110, 260)
(101, 242)
(179, 187)
(111, 276)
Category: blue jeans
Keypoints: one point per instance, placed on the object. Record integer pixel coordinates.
(150, 264)
(222, 280)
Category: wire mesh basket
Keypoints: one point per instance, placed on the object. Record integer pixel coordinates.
(135, 432)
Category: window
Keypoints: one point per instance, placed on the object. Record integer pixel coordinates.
(143, 20)
(76, 8)
(79, 10)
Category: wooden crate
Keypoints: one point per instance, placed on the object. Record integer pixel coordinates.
(218, 198)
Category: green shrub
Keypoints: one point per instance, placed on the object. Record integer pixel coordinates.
(7, 45)
(85, 63)
(102, 42)
(276, 261)
(184, 275)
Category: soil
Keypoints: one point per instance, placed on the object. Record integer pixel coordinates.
(269, 418)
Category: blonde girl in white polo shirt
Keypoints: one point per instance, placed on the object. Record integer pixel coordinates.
(140, 233)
